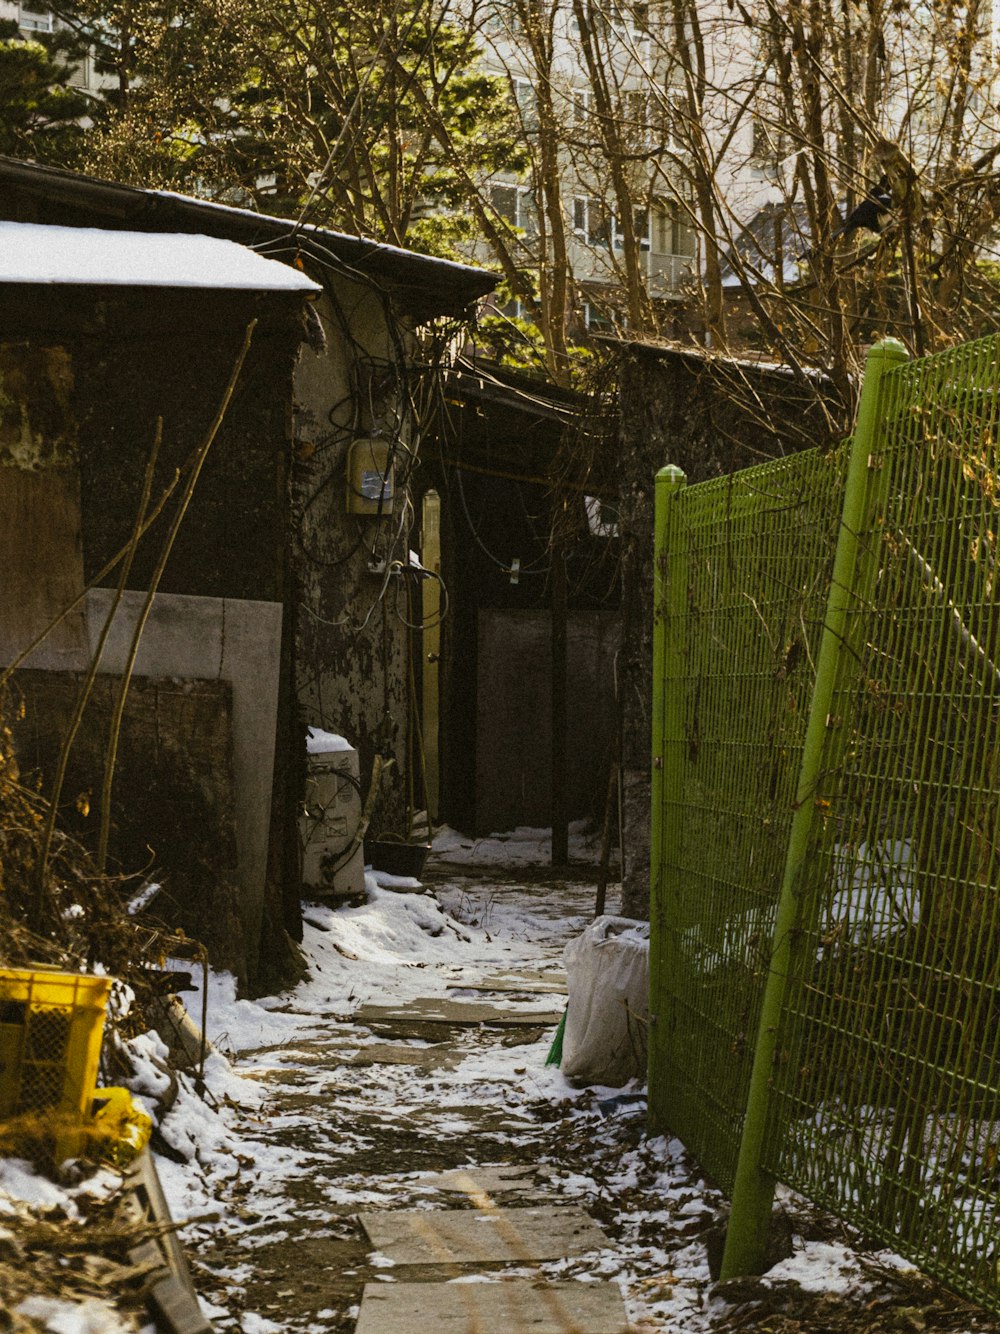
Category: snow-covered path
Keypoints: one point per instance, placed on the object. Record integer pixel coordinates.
(360, 1091)
(333, 1108)
(338, 1117)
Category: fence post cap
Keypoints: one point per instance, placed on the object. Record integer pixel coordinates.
(889, 350)
(671, 476)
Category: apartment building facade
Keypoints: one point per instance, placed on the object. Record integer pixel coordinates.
(599, 90)
(37, 20)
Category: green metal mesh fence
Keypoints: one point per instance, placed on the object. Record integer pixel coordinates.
(882, 1099)
(887, 1094)
(755, 550)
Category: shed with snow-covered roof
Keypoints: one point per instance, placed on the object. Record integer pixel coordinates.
(146, 388)
(325, 381)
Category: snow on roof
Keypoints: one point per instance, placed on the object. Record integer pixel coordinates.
(36, 253)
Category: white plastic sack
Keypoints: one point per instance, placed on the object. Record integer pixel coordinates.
(607, 972)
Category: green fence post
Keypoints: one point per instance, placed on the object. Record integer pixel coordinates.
(669, 608)
(753, 1189)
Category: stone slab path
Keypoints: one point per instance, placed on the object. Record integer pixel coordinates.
(460, 1250)
(416, 1195)
(514, 1307)
(449, 1012)
(474, 1236)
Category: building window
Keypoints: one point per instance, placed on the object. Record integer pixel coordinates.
(672, 231)
(34, 20)
(638, 119)
(766, 150)
(526, 102)
(501, 20)
(629, 22)
(672, 114)
(592, 221)
(583, 102)
(597, 318)
(640, 230)
(516, 205)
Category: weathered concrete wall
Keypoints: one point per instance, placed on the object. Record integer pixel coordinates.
(226, 640)
(708, 417)
(513, 734)
(166, 359)
(190, 638)
(351, 640)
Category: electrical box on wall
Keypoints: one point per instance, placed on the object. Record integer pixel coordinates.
(370, 477)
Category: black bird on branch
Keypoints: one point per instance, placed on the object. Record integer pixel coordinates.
(871, 213)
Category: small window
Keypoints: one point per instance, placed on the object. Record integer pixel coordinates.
(635, 105)
(767, 149)
(602, 516)
(34, 20)
(526, 102)
(516, 205)
(672, 231)
(504, 201)
(592, 221)
(596, 318)
(640, 229)
(501, 19)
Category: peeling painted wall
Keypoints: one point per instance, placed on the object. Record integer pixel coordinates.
(351, 640)
(173, 808)
(41, 555)
(37, 423)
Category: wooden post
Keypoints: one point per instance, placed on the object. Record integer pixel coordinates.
(560, 816)
(430, 556)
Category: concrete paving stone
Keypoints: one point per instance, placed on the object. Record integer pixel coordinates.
(473, 1236)
(465, 1014)
(510, 1307)
(525, 1037)
(441, 1056)
(534, 984)
(494, 1179)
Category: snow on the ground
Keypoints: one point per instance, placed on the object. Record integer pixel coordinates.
(30, 1201)
(395, 948)
(21, 1184)
(251, 1154)
(523, 846)
(91, 1316)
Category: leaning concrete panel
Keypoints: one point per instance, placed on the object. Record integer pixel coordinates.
(512, 1307)
(471, 1236)
(223, 639)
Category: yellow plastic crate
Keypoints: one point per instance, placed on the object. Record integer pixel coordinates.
(51, 1026)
